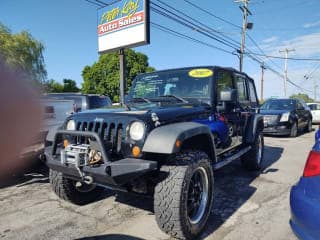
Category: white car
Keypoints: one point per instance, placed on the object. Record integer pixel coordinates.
(315, 111)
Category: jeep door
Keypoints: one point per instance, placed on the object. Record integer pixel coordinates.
(245, 104)
(225, 81)
(303, 114)
(254, 102)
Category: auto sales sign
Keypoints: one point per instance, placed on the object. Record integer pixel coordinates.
(123, 24)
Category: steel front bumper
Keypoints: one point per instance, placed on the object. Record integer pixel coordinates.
(109, 173)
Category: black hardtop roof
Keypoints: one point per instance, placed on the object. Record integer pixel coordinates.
(195, 67)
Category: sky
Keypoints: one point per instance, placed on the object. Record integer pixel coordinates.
(68, 29)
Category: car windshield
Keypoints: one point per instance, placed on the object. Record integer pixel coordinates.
(314, 106)
(278, 104)
(99, 102)
(173, 85)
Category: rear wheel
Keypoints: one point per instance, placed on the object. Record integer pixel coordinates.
(252, 160)
(73, 191)
(183, 200)
(294, 130)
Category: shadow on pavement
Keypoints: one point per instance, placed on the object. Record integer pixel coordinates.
(35, 173)
(232, 190)
(135, 200)
(110, 237)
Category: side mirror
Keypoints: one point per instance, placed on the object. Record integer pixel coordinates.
(228, 95)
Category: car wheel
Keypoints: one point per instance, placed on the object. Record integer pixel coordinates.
(183, 199)
(252, 160)
(309, 126)
(73, 191)
(294, 130)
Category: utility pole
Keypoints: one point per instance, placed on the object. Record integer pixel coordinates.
(286, 51)
(245, 25)
(262, 80)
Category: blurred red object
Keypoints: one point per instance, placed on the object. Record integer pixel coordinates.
(20, 117)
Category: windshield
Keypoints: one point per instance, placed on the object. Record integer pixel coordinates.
(99, 102)
(176, 84)
(279, 104)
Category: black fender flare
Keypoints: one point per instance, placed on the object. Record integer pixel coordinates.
(163, 139)
(254, 124)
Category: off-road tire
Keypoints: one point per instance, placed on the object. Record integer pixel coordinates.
(65, 189)
(253, 159)
(171, 195)
(294, 130)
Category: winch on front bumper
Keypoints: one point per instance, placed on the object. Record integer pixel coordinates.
(90, 163)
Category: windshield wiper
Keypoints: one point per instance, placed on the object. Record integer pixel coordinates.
(174, 96)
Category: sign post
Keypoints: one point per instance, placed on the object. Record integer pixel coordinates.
(122, 59)
(123, 24)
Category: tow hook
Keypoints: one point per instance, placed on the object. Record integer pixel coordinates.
(88, 180)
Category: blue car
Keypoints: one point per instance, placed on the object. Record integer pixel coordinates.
(305, 198)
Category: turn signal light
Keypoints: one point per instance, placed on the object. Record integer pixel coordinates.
(136, 151)
(65, 143)
(312, 167)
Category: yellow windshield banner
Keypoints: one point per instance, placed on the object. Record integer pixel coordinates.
(201, 73)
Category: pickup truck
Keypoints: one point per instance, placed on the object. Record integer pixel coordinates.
(54, 113)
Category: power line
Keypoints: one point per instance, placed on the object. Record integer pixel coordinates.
(94, 2)
(278, 74)
(177, 34)
(190, 22)
(224, 20)
(256, 44)
(211, 14)
(103, 3)
(289, 58)
(107, 4)
(312, 71)
(192, 27)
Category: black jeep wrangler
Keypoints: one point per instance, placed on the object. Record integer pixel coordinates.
(176, 128)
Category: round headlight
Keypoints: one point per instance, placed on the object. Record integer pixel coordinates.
(136, 131)
(71, 125)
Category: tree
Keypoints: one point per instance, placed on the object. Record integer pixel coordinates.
(70, 85)
(103, 76)
(23, 52)
(52, 86)
(302, 96)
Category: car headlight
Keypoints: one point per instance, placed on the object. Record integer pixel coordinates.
(71, 125)
(136, 131)
(284, 117)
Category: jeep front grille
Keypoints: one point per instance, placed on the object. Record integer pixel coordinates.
(110, 133)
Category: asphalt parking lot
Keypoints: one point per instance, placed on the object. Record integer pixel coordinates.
(247, 205)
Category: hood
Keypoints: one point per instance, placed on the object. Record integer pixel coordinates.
(273, 112)
(159, 115)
